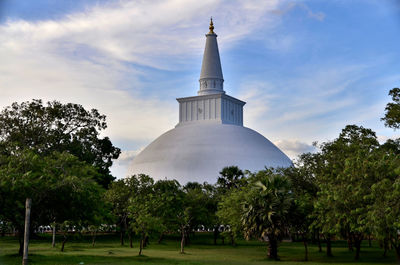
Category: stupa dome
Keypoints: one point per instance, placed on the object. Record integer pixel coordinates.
(210, 134)
(198, 152)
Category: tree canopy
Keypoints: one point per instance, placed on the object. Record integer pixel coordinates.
(392, 110)
(45, 128)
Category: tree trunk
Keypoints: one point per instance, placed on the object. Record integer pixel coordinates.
(130, 239)
(53, 241)
(395, 242)
(305, 248)
(122, 234)
(319, 242)
(64, 241)
(141, 244)
(369, 241)
(183, 241)
(273, 248)
(328, 246)
(146, 241)
(397, 248)
(350, 244)
(215, 234)
(357, 242)
(223, 239)
(160, 238)
(232, 239)
(94, 238)
(385, 246)
(28, 205)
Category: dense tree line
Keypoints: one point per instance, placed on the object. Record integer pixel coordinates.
(348, 189)
(52, 153)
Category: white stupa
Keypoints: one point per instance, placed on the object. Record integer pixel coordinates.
(210, 134)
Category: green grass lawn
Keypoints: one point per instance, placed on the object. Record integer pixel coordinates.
(200, 251)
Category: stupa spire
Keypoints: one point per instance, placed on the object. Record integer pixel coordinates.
(211, 79)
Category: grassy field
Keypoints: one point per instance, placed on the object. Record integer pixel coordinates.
(201, 251)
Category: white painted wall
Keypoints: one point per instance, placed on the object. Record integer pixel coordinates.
(219, 108)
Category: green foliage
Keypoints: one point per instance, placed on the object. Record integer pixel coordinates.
(58, 127)
(230, 178)
(392, 110)
(142, 206)
(61, 188)
(200, 205)
(230, 211)
(267, 203)
(351, 167)
(119, 195)
(304, 191)
(384, 213)
(169, 198)
(345, 179)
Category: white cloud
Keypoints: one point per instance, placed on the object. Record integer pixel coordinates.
(295, 4)
(383, 138)
(98, 57)
(128, 155)
(89, 57)
(121, 165)
(143, 32)
(293, 148)
(307, 106)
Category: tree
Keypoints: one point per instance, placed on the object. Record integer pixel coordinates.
(59, 127)
(392, 110)
(304, 191)
(384, 213)
(201, 207)
(197, 209)
(170, 202)
(142, 209)
(228, 195)
(119, 195)
(231, 178)
(344, 182)
(61, 187)
(231, 210)
(266, 208)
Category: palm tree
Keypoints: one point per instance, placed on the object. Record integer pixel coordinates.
(266, 208)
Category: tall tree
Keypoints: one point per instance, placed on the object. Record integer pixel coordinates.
(170, 202)
(384, 213)
(58, 127)
(201, 205)
(228, 195)
(344, 183)
(304, 190)
(119, 195)
(266, 208)
(230, 212)
(197, 209)
(142, 206)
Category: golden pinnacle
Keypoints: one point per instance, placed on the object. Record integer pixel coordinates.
(211, 27)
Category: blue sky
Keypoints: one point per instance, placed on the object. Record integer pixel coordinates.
(305, 68)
